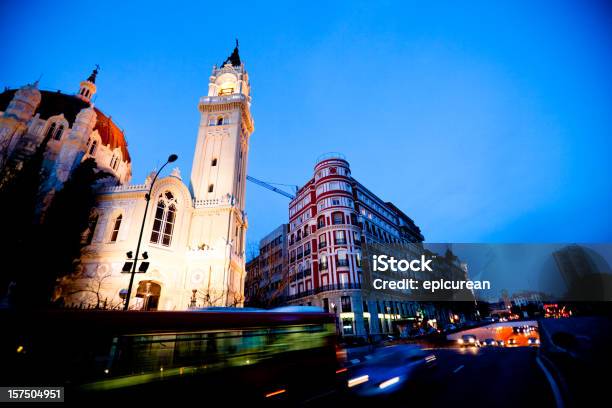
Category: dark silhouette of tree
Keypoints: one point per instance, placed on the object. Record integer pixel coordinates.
(55, 249)
(20, 182)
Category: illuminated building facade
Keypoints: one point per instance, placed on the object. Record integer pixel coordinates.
(194, 236)
(69, 128)
(266, 274)
(330, 219)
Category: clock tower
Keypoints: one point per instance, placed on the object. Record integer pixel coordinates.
(218, 178)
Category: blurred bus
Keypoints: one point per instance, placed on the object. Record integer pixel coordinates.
(244, 355)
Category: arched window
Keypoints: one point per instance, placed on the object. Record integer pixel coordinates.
(50, 131)
(93, 147)
(220, 121)
(214, 162)
(60, 131)
(211, 187)
(116, 227)
(165, 217)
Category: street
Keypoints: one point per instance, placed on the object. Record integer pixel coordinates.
(476, 377)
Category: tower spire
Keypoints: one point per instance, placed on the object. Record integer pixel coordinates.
(94, 74)
(234, 58)
(88, 87)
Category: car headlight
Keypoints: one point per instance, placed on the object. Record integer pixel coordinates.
(358, 380)
(460, 341)
(388, 383)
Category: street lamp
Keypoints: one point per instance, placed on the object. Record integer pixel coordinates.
(172, 158)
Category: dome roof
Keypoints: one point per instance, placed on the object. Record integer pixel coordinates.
(55, 103)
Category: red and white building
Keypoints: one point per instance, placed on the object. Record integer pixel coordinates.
(329, 219)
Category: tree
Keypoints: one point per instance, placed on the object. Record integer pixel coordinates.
(93, 289)
(20, 183)
(57, 245)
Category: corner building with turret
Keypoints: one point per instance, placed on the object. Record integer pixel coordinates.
(330, 219)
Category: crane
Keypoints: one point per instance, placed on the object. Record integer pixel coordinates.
(269, 186)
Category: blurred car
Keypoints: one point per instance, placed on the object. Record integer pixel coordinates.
(489, 343)
(512, 342)
(386, 369)
(533, 341)
(468, 340)
(501, 343)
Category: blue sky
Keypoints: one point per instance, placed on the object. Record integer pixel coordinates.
(485, 122)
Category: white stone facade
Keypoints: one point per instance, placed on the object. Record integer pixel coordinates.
(194, 239)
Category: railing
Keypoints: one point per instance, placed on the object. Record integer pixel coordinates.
(215, 202)
(125, 188)
(214, 100)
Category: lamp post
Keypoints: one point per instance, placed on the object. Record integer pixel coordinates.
(171, 158)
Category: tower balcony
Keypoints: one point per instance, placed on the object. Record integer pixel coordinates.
(223, 99)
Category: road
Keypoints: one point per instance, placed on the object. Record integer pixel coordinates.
(475, 377)
(491, 377)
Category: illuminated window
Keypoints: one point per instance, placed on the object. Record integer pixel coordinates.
(116, 227)
(165, 217)
(226, 91)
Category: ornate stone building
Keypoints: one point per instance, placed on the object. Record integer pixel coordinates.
(72, 128)
(194, 236)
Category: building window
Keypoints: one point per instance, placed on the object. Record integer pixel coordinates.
(220, 121)
(50, 131)
(342, 259)
(322, 241)
(321, 222)
(211, 187)
(340, 238)
(337, 218)
(165, 216)
(326, 305)
(323, 262)
(91, 229)
(345, 301)
(214, 162)
(93, 147)
(116, 227)
(60, 131)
